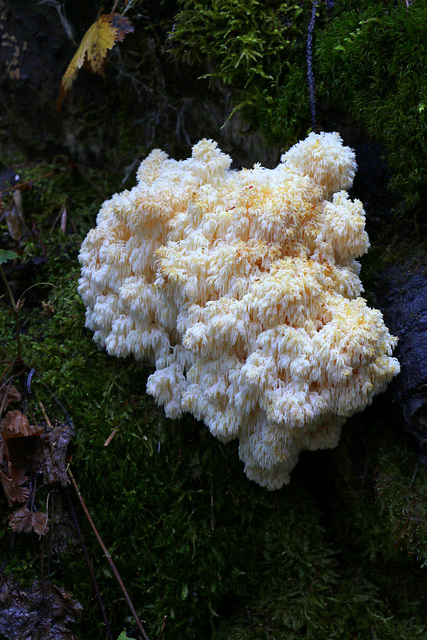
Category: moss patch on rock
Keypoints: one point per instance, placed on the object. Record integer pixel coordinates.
(369, 61)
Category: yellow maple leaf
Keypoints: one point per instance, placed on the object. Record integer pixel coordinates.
(98, 39)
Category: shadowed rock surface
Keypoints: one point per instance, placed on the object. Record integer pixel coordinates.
(403, 300)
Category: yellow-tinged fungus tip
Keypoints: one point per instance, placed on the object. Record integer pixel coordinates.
(242, 289)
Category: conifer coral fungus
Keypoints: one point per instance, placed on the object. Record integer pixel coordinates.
(242, 289)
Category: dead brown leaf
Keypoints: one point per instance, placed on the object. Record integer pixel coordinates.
(14, 491)
(8, 395)
(19, 455)
(13, 479)
(25, 520)
(23, 454)
(15, 424)
(98, 39)
(14, 215)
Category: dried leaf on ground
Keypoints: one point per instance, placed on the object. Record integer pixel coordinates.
(98, 39)
(14, 215)
(23, 456)
(20, 455)
(12, 479)
(25, 520)
(42, 612)
(15, 424)
(8, 395)
(55, 444)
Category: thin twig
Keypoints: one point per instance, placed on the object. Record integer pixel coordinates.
(110, 437)
(9, 364)
(91, 182)
(27, 182)
(59, 215)
(88, 562)
(162, 629)
(107, 555)
(310, 75)
(46, 417)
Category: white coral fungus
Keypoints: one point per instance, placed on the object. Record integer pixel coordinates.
(242, 288)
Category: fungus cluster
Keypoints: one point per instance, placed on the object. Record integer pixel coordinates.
(242, 289)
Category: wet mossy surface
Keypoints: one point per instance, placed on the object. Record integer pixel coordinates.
(369, 61)
(373, 63)
(336, 554)
(341, 552)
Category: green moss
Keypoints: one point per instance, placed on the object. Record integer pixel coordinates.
(256, 49)
(335, 555)
(373, 64)
(388, 484)
(330, 556)
(370, 63)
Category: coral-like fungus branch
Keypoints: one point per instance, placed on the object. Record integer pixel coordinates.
(242, 289)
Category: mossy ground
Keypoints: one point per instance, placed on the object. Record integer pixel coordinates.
(336, 554)
(341, 552)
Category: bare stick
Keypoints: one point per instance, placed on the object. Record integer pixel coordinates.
(88, 562)
(110, 437)
(162, 629)
(46, 417)
(27, 182)
(107, 555)
(91, 182)
(310, 75)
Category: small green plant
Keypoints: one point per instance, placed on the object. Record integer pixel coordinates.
(15, 306)
(123, 636)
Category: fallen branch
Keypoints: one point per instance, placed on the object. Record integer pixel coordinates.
(21, 185)
(91, 182)
(88, 562)
(107, 555)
